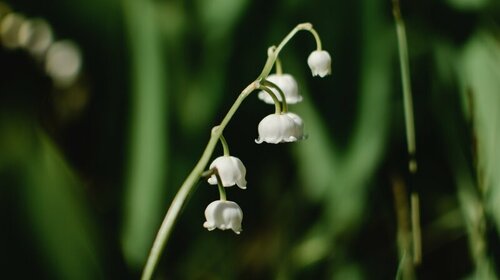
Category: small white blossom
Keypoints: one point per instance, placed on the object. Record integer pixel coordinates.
(223, 215)
(231, 171)
(278, 128)
(287, 84)
(320, 63)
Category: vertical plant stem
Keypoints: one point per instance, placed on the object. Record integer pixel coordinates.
(279, 68)
(415, 225)
(220, 186)
(284, 104)
(406, 83)
(225, 146)
(406, 270)
(410, 126)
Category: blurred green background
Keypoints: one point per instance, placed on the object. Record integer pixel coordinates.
(87, 171)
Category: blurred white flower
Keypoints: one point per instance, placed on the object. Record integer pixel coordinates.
(63, 62)
(231, 171)
(36, 36)
(320, 63)
(287, 84)
(9, 29)
(278, 128)
(223, 215)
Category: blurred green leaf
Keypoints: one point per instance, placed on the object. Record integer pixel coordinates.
(148, 137)
(61, 220)
(468, 4)
(480, 76)
(341, 180)
(219, 16)
(203, 85)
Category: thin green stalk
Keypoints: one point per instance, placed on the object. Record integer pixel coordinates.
(277, 106)
(272, 57)
(406, 82)
(279, 69)
(316, 38)
(399, 271)
(410, 127)
(222, 191)
(406, 268)
(268, 83)
(225, 146)
(416, 231)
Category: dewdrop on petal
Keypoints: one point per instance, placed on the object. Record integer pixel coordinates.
(223, 214)
(320, 63)
(287, 84)
(231, 171)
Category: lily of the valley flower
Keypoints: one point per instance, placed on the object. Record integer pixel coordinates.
(231, 171)
(223, 215)
(278, 128)
(320, 63)
(287, 84)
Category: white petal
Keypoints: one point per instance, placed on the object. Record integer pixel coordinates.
(231, 171)
(287, 84)
(320, 63)
(223, 215)
(278, 128)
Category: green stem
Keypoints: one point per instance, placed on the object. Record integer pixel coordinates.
(316, 37)
(416, 230)
(268, 83)
(404, 62)
(271, 58)
(225, 146)
(222, 191)
(279, 69)
(188, 186)
(406, 82)
(273, 96)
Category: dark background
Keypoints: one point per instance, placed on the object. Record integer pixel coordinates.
(88, 171)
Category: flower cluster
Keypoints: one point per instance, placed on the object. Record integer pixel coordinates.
(223, 214)
(283, 126)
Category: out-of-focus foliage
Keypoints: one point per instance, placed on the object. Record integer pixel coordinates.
(87, 172)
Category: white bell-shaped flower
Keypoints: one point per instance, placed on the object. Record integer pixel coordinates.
(287, 84)
(231, 171)
(320, 63)
(278, 128)
(223, 214)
